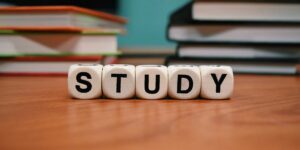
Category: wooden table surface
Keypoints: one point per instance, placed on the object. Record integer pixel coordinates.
(37, 113)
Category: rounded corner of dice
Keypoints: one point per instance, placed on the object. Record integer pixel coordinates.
(91, 81)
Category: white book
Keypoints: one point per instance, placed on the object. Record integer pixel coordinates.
(227, 51)
(30, 65)
(59, 18)
(21, 68)
(246, 11)
(57, 43)
(235, 33)
(244, 67)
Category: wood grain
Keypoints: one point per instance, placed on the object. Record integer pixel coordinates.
(37, 113)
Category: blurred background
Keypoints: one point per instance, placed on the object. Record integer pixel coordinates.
(253, 37)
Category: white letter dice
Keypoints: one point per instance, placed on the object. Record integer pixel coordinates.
(118, 81)
(84, 81)
(217, 82)
(184, 81)
(151, 81)
(88, 81)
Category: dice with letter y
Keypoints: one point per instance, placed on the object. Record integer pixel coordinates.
(84, 81)
(118, 81)
(217, 82)
(151, 81)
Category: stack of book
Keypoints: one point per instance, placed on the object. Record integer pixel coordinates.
(48, 39)
(252, 36)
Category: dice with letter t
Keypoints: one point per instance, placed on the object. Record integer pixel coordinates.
(84, 81)
(118, 81)
(217, 82)
(151, 81)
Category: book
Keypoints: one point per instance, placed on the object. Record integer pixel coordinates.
(233, 33)
(184, 15)
(238, 51)
(58, 18)
(244, 66)
(246, 10)
(43, 65)
(57, 43)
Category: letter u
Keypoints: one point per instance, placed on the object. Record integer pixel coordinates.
(157, 83)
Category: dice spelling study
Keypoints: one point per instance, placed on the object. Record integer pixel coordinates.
(90, 81)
